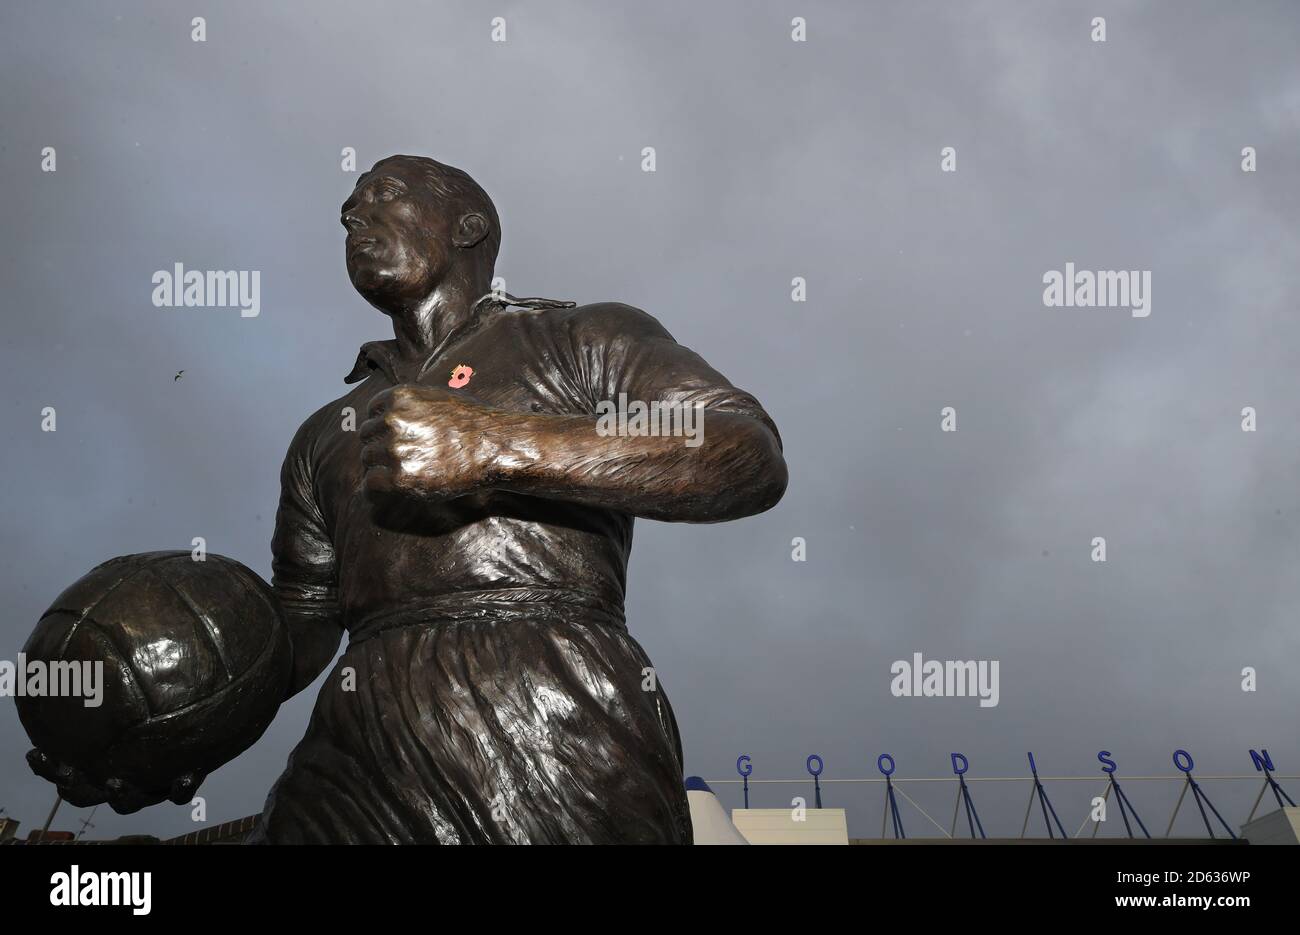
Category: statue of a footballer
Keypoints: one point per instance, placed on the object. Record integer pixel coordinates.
(471, 537)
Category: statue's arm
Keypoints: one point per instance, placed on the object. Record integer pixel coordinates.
(426, 442)
(734, 467)
(304, 574)
(738, 469)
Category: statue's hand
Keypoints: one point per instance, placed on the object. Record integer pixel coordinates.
(76, 788)
(428, 442)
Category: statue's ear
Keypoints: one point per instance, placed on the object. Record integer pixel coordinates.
(470, 230)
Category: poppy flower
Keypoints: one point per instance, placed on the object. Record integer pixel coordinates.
(460, 376)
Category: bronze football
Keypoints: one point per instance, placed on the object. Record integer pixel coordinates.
(195, 662)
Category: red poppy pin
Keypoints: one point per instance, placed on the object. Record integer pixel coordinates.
(460, 376)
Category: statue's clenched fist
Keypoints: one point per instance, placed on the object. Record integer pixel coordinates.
(429, 442)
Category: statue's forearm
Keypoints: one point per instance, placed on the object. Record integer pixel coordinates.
(314, 633)
(737, 471)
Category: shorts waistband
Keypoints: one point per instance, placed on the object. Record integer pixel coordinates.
(499, 605)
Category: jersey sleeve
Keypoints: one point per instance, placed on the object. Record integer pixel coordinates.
(623, 350)
(302, 556)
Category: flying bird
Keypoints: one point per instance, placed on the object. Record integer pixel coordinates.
(178, 375)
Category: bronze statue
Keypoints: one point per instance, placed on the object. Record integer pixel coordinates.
(471, 536)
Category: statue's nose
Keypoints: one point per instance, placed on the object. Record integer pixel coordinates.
(353, 222)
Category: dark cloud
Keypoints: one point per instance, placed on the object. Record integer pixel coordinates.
(775, 160)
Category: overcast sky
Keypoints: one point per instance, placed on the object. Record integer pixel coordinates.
(775, 159)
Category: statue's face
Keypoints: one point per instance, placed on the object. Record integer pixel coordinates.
(399, 244)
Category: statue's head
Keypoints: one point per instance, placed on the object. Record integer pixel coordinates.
(412, 223)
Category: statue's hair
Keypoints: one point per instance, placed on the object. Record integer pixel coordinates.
(453, 185)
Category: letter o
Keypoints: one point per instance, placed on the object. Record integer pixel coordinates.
(1188, 756)
(880, 764)
(820, 765)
